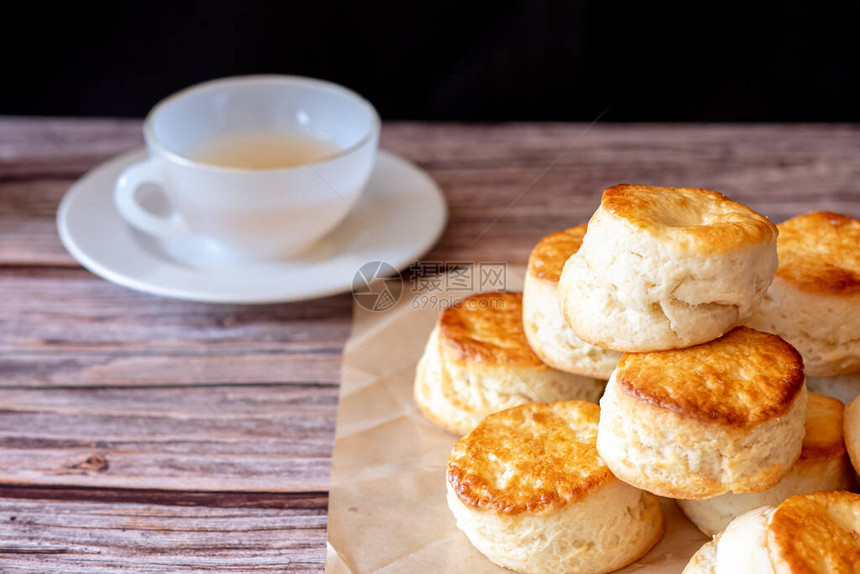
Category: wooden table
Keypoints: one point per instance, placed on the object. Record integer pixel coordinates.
(145, 434)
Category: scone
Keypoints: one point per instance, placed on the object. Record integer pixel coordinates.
(477, 361)
(704, 561)
(665, 268)
(846, 388)
(806, 534)
(814, 302)
(823, 465)
(545, 327)
(527, 488)
(724, 416)
(851, 432)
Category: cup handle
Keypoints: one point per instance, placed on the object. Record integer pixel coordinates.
(146, 171)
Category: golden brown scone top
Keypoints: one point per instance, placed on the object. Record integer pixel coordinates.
(552, 252)
(816, 534)
(823, 438)
(690, 219)
(535, 456)
(487, 328)
(741, 379)
(819, 252)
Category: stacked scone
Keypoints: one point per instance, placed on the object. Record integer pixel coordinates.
(666, 268)
(530, 491)
(478, 361)
(546, 329)
(659, 294)
(805, 534)
(814, 302)
(823, 465)
(694, 423)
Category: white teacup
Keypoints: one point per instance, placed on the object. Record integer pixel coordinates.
(253, 212)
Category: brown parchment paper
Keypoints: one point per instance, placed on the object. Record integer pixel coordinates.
(387, 509)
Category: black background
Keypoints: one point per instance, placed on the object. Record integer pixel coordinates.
(446, 60)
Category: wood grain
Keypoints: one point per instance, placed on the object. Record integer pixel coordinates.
(48, 530)
(274, 438)
(73, 310)
(69, 328)
(144, 434)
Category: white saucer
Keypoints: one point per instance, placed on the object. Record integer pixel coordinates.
(399, 217)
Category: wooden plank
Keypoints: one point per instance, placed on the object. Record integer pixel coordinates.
(28, 230)
(83, 369)
(61, 148)
(68, 328)
(39, 159)
(46, 530)
(273, 438)
(77, 311)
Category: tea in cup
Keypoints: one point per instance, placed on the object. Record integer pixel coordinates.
(262, 165)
